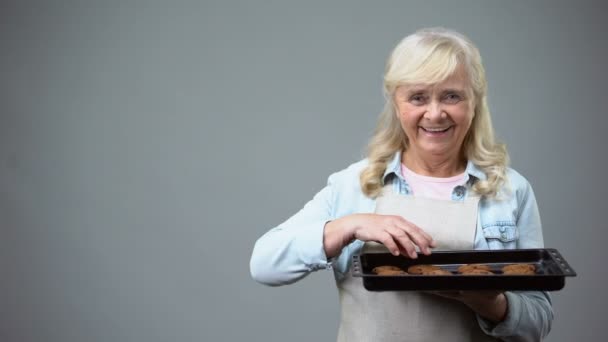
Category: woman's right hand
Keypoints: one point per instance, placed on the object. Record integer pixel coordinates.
(396, 233)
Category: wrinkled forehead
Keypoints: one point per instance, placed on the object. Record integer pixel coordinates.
(458, 80)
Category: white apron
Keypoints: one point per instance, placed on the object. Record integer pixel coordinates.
(411, 315)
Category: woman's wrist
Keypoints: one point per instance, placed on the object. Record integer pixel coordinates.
(493, 310)
(336, 236)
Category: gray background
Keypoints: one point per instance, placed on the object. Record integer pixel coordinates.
(145, 146)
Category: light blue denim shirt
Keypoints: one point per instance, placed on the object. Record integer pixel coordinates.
(294, 249)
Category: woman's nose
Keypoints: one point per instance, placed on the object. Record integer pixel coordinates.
(434, 111)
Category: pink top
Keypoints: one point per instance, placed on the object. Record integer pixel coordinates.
(431, 187)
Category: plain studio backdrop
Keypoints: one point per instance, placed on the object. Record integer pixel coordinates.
(145, 146)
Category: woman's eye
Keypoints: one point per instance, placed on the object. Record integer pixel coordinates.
(417, 99)
(452, 98)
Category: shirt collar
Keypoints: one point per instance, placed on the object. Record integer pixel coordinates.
(475, 171)
(394, 167)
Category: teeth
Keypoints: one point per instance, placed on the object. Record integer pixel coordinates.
(435, 129)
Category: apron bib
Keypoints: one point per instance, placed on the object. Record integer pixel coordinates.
(411, 315)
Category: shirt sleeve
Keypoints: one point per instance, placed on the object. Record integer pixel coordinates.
(530, 313)
(528, 220)
(529, 318)
(293, 249)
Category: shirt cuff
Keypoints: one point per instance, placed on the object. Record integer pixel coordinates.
(509, 326)
(309, 245)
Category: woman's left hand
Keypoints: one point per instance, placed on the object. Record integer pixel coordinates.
(491, 305)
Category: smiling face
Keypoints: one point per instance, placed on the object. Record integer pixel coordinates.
(436, 117)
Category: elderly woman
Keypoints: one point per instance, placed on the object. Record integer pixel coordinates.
(433, 155)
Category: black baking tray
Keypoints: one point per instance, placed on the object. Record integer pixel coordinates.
(551, 270)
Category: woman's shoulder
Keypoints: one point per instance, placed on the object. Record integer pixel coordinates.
(348, 176)
(354, 168)
(516, 178)
(513, 181)
(517, 183)
(347, 195)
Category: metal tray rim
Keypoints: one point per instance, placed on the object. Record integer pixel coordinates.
(549, 282)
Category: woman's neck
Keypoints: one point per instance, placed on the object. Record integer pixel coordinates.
(433, 166)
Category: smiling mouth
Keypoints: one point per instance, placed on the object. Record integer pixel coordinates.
(436, 130)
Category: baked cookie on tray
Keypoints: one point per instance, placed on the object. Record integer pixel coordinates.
(476, 271)
(470, 267)
(519, 269)
(388, 270)
(422, 269)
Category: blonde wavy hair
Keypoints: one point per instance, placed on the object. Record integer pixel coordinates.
(430, 56)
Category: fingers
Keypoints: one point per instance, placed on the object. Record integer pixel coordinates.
(413, 234)
(394, 232)
(425, 238)
(403, 239)
(387, 240)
